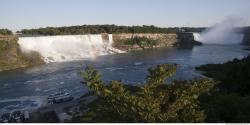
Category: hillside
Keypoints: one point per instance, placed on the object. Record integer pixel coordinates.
(11, 57)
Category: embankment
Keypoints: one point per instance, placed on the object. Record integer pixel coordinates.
(11, 56)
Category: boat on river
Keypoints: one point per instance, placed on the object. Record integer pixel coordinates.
(60, 97)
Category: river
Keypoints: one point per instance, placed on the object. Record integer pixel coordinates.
(28, 88)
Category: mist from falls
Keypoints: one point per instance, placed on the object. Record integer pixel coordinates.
(224, 32)
(67, 47)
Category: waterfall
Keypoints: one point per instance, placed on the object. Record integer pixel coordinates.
(233, 38)
(225, 32)
(197, 36)
(110, 41)
(66, 47)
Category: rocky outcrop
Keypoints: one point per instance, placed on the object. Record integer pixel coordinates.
(246, 38)
(11, 56)
(186, 40)
(163, 40)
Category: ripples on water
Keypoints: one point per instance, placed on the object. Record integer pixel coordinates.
(17, 86)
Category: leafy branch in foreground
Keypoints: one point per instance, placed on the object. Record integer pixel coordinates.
(154, 101)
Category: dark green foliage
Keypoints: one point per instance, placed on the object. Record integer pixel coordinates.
(230, 100)
(5, 32)
(95, 29)
(226, 107)
(153, 102)
(234, 75)
(246, 38)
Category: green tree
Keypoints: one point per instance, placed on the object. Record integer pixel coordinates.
(87, 29)
(5, 32)
(154, 101)
(230, 99)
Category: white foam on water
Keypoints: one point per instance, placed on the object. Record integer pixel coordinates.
(37, 101)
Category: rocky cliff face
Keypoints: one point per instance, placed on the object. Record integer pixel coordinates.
(186, 40)
(11, 57)
(246, 39)
(163, 39)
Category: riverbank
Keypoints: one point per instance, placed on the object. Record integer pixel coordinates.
(128, 67)
(11, 57)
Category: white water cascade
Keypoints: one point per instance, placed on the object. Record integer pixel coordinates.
(67, 47)
(197, 37)
(225, 39)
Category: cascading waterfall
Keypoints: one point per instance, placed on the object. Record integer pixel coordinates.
(66, 47)
(225, 39)
(110, 41)
(197, 36)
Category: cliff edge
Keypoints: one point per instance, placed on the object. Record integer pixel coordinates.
(11, 56)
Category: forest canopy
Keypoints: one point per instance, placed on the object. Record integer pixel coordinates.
(96, 29)
(5, 32)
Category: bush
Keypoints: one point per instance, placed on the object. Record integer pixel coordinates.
(230, 100)
(153, 102)
(233, 75)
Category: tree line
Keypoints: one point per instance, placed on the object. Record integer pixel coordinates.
(5, 32)
(96, 29)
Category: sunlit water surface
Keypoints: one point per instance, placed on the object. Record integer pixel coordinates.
(27, 88)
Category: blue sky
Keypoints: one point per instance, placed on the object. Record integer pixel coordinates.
(19, 14)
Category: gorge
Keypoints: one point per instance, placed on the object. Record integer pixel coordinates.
(62, 48)
(62, 57)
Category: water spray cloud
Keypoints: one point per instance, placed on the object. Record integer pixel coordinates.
(224, 32)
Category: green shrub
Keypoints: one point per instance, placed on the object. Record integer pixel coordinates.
(230, 100)
(153, 102)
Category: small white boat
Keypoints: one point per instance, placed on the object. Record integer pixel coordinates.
(59, 97)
